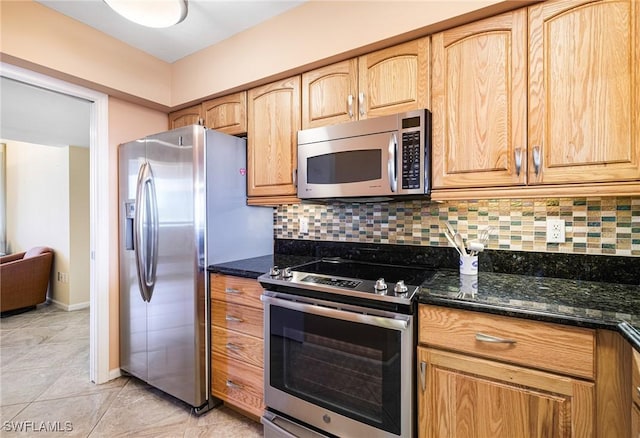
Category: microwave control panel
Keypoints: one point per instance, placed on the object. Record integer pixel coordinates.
(411, 160)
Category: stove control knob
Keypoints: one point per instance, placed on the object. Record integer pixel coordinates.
(381, 286)
(400, 288)
(287, 273)
(274, 272)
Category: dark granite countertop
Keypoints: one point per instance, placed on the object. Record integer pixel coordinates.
(575, 302)
(579, 290)
(256, 266)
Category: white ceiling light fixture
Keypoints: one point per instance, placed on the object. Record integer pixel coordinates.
(151, 13)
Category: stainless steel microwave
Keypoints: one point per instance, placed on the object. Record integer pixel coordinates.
(382, 157)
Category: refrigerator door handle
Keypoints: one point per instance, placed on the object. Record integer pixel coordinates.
(146, 231)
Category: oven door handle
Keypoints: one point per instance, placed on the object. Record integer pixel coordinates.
(401, 322)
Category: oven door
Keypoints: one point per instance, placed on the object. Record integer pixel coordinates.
(347, 371)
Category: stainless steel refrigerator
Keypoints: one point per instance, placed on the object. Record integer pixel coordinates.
(182, 198)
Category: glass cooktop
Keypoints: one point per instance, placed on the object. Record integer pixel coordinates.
(349, 278)
(348, 269)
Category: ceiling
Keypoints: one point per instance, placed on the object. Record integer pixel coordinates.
(208, 22)
(25, 110)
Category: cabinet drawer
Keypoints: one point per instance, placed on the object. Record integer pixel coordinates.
(237, 290)
(234, 345)
(242, 319)
(566, 350)
(238, 384)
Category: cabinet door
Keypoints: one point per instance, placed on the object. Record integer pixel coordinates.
(479, 103)
(226, 114)
(394, 80)
(329, 94)
(461, 396)
(185, 117)
(273, 124)
(584, 91)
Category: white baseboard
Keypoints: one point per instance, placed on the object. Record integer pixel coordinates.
(72, 307)
(114, 374)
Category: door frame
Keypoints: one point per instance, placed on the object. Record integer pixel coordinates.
(100, 227)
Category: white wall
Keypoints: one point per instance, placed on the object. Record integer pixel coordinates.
(40, 197)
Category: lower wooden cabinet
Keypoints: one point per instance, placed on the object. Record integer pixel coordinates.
(483, 375)
(237, 347)
(635, 394)
(463, 396)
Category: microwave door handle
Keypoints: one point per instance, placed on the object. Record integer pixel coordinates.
(392, 164)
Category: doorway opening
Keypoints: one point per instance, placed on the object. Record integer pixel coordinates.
(99, 194)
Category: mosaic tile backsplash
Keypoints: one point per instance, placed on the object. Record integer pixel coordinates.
(606, 226)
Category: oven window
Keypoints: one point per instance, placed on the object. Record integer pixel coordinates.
(349, 368)
(345, 167)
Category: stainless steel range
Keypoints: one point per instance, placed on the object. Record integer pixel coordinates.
(340, 339)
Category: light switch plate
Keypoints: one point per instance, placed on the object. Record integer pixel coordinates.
(555, 231)
(304, 225)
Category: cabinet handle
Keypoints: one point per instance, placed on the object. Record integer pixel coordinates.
(294, 177)
(233, 318)
(234, 385)
(493, 339)
(232, 346)
(638, 390)
(231, 290)
(535, 152)
(350, 105)
(518, 156)
(361, 103)
(423, 376)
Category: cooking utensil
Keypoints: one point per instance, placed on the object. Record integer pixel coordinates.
(475, 247)
(447, 231)
(457, 238)
(452, 242)
(451, 229)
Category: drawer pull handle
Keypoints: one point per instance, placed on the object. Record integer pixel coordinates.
(231, 346)
(638, 390)
(494, 339)
(234, 385)
(423, 375)
(233, 318)
(231, 290)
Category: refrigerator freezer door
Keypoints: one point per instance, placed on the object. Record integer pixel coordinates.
(133, 309)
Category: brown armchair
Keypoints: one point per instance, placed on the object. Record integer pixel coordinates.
(24, 278)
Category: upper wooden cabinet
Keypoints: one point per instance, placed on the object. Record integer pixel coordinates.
(273, 125)
(584, 91)
(479, 103)
(551, 102)
(226, 114)
(384, 82)
(330, 94)
(394, 80)
(185, 117)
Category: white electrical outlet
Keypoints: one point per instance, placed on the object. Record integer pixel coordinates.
(304, 225)
(555, 231)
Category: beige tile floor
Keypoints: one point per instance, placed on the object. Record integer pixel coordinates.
(45, 389)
